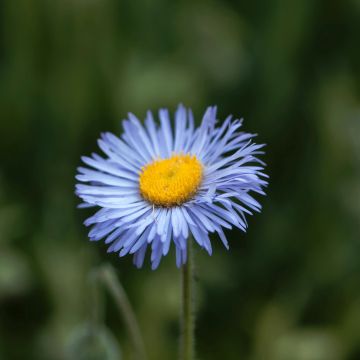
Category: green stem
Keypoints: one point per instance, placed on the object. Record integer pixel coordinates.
(187, 351)
(96, 301)
(115, 288)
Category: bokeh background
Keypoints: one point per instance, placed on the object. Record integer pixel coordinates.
(288, 289)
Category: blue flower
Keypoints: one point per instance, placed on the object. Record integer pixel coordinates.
(158, 184)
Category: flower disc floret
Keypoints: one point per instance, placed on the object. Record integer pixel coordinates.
(171, 182)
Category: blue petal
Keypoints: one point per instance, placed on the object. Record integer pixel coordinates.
(166, 131)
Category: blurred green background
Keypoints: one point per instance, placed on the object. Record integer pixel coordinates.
(289, 289)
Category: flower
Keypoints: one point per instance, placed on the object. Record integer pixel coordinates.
(158, 184)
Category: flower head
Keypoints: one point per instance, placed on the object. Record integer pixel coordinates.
(158, 184)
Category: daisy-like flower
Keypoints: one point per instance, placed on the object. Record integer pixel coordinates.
(158, 184)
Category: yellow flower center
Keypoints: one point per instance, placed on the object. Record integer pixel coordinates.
(171, 182)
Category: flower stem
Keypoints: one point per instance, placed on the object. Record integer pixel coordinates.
(115, 288)
(187, 350)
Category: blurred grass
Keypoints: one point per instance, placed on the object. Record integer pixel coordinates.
(288, 289)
